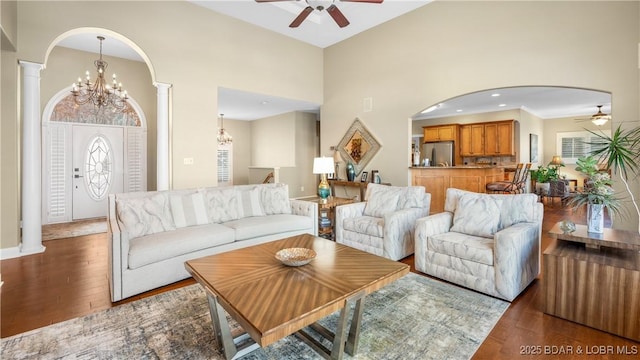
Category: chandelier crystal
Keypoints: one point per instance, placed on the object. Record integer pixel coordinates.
(99, 93)
(223, 136)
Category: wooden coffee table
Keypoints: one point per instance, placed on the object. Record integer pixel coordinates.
(271, 301)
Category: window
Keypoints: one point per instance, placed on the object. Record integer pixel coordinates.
(576, 144)
(225, 165)
(98, 167)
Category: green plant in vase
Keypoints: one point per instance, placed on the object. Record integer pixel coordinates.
(619, 152)
(597, 194)
(542, 175)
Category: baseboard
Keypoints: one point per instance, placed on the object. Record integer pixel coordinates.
(15, 252)
(10, 253)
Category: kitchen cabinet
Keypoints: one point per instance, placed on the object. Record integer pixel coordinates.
(494, 138)
(498, 138)
(440, 133)
(436, 181)
(472, 140)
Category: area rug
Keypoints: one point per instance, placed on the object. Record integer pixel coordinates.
(413, 318)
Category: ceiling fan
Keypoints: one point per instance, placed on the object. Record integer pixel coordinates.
(598, 118)
(320, 5)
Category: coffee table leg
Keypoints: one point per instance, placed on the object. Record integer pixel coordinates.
(227, 343)
(354, 332)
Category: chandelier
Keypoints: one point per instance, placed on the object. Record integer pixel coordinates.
(99, 93)
(223, 136)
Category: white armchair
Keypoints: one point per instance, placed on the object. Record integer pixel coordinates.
(384, 225)
(486, 242)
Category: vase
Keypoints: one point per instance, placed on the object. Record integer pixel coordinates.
(351, 172)
(595, 218)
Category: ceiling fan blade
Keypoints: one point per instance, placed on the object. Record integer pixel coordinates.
(338, 16)
(364, 1)
(303, 15)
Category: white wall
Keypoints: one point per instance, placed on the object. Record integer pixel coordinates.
(446, 49)
(189, 47)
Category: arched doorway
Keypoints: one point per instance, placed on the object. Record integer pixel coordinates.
(89, 152)
(31, 179)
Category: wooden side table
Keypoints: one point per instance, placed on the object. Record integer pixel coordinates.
(594, 279)
(327, 214)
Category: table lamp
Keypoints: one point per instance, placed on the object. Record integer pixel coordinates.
(323, 166)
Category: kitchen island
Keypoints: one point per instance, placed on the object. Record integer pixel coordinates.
(436, 180)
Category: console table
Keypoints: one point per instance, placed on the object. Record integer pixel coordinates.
(594, 279)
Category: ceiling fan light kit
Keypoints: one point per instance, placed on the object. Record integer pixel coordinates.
(600, 118)
(321, 5)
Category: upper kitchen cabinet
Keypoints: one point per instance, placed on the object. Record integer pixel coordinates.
(499, 138)
(472, 140)
(440, 133)
(494, 138)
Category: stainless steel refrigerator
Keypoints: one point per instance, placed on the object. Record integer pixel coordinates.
(439, 153)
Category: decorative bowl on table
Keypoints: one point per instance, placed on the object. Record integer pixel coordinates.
(567, 226)
(295, 256)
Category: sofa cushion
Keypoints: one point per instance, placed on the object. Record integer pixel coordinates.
(145, 215)
(381, 200)
(477, 214)
(222, 204)
(249, 203)
(373, 226)
(251, 227)
(166, 245)
(275, 199)
(188, 209)
(473, 248)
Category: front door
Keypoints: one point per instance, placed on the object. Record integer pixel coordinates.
(98, 168)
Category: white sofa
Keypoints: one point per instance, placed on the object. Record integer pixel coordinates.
(384, 224)
(152, 234)
(485, 242)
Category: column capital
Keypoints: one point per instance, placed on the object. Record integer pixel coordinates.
(162, 86)
(31, 67)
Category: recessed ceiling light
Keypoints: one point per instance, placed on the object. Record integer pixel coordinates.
(495, 94)
(502, 105)
(459, 110)
(264, 102)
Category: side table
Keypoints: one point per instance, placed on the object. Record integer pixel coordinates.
(327, 214)
(594, 279)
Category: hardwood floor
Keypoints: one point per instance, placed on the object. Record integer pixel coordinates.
(69, 280)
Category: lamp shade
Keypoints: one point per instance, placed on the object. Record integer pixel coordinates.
(556, 160)
(323, 165)
(337, 158)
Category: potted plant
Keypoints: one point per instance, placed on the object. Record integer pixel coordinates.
(597, 194)
(542, 175)
(619, 152)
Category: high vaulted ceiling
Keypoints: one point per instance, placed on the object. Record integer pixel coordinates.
(320, 30)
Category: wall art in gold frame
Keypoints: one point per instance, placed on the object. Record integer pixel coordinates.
(358, 146)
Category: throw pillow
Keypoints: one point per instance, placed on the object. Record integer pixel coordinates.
(188, 210)
(222, 205)
(249, 203)
(380, 203)
(275, 199)
(146, 215)
(477, 215)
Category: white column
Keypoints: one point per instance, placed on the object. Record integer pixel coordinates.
(31, 160)
(162, 161)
